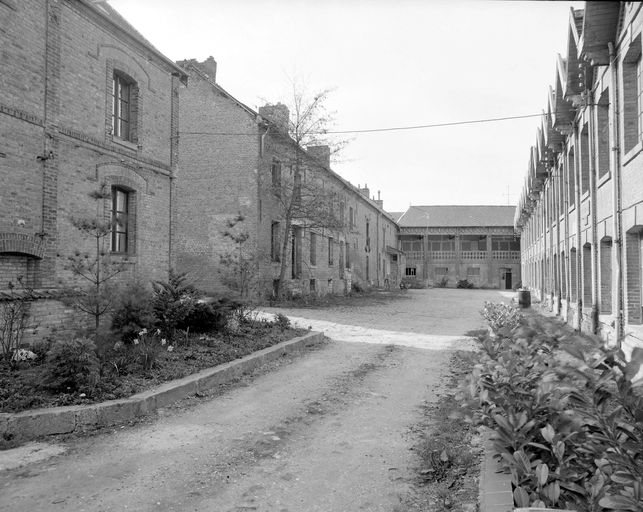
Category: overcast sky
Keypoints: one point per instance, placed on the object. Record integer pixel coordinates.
(391, 63)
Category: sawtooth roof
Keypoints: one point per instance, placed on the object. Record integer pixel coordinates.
(458, 216)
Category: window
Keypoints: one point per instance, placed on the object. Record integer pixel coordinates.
(313, 249)
(504, 243)
(571, 178)
(342, 207)
(123, 93)
(296, 252)
(120, 220)
(441, 242)
(351, 217)
(341, 258)
(584, 157)
(632, 89)
(331, 261)
(473, 272)
(441, 271)
(602, 134)
(275, 171)
(348, 255)
(473, 243)
(368, 235)
(410, 271)
(274, 241)
(313, 286)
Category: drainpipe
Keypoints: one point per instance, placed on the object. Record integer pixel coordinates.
(592, 204)
(579, 248)
(615, 165)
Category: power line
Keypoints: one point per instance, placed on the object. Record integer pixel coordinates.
(388, 129)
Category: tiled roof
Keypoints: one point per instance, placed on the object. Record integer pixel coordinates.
(457, 215)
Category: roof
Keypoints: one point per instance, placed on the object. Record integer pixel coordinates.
(458, 216)
(110, 14)
(396, 215)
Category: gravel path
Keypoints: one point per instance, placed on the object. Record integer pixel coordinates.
(327, 431)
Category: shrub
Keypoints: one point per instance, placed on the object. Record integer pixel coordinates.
(210, 315)
(72, 365)
(132, 312)
(443, 283)
(464, 283)
(570, 434)
(501, 316)
(172, 302)
(282, 321)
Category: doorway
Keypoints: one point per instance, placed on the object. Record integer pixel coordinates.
(505, 279)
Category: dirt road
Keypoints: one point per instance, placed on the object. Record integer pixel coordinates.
(329, 431)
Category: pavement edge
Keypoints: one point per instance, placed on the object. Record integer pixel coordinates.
(495, 485)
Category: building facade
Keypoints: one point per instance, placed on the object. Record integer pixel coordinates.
(581, 210)
(447, 244)
(86, 105)
(238, 172)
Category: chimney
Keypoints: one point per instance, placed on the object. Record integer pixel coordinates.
(277, 114)
(379, 202)
(364, 190)
(209, 66)
(321, 154)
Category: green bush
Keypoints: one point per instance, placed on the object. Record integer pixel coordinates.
(172, 302)
(132, 312)
(282, 321)
(464, 283)
(502, 318)
(210, 316)
(72, 365)
(570, 434)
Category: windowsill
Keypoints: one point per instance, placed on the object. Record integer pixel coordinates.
(603, 179)
(571, 209)
(632, 153)
(125, 143)
(584, 196)
(124, 257)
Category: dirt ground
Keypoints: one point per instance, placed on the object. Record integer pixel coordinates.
(329, 431)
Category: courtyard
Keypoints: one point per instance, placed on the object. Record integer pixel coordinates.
(328, 430)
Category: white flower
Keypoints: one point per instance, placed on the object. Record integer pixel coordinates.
(82, 395)
(170, 348)
(163, 341)
(136, 341)
(158, 332)
(143, 331)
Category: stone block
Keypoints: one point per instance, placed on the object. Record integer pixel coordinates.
(42, 422)
(176, 390)
(117, 411)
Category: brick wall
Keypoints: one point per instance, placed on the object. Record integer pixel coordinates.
(62, 55)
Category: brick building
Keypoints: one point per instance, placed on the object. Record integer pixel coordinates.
(581, 210)
(85, 101)
(447, 244)
(238, 168)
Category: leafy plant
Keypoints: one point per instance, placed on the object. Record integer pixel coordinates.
(72, 365)
(148, 345)
(570, 434)
(132, 311)
(172, 302)
(282, 321)
(501, 316)
(464, 283)
(443, 283)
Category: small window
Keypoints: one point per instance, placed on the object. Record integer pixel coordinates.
(120, 219)
(313, 286)
(351, 217)
(331, 260)
(274, 241)
(348, 255)
(410, 271)
(313, 249)
(441, 271)
(473, 272)
(275, 171)
(122, 107)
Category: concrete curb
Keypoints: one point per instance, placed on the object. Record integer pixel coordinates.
(29, 425)
(495, 485)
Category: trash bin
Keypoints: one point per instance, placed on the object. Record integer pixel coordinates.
(524, 298)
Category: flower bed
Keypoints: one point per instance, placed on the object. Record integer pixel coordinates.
(567, 416)
(126, 371)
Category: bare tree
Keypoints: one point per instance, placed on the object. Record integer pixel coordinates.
(304, 200)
